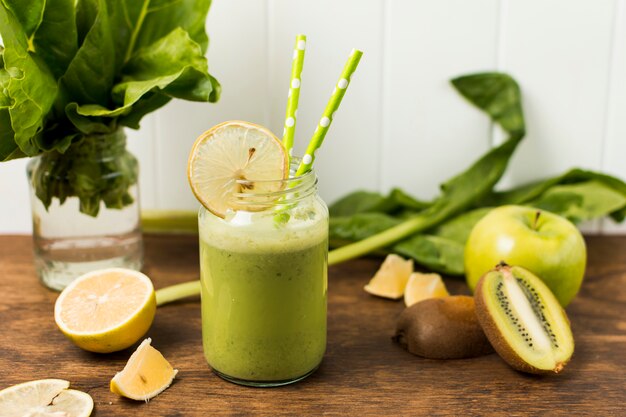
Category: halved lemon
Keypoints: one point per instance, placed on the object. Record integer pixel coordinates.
(232, 158)
(422, 286)
(146, 374)
(45, 397)
(106, 310)
(391, 278)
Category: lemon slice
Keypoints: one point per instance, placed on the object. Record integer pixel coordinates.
(422, 286)
(146, 374)
(44, 398)
(106, 310)
(235, 157)
(390, 280)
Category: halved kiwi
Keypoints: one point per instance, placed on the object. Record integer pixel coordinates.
(523, 320)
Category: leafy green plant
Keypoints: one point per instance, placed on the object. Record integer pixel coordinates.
(434, 233)
(75, 71)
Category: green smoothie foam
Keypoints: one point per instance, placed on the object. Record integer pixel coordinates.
(264, 290)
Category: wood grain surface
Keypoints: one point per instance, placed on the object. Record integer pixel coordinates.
(363, 373)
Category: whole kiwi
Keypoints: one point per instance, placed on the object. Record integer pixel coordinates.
(442, 328)
(523, 320)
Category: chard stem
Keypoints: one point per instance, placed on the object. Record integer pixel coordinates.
(345, 253)
(176, 292)
(136, 30)
(169, 221)
(380, 240)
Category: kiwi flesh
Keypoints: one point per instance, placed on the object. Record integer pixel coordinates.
(442, 328)
(523, 320)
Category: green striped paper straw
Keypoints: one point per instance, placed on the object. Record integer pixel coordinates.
(294, 93)
(331, 107)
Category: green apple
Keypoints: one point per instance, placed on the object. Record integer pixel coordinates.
(548, 245)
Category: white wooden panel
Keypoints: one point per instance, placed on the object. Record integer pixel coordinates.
(614, 160)
(15, 214)
(142, 144)
(348, 160)
(431, 133)
(559, 51)
(238, 59)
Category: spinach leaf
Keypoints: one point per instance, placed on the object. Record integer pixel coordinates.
(435, 235)
(434, 252)
(583, 201)
(529, 192)
(360, 226)
(498, 95)
(364, 201)
(458, 228)
(461, 192)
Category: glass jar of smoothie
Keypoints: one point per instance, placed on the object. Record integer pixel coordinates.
(264, 284)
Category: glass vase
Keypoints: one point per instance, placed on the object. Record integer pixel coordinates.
(85, 209)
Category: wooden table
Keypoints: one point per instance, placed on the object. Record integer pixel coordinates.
(363, 373)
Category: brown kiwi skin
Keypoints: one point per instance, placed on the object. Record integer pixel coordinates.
(496, 338)
(442, 328)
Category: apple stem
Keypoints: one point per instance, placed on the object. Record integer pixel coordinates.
(537, 214)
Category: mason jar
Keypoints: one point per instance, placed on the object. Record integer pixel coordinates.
(264, 284)
(85, 209)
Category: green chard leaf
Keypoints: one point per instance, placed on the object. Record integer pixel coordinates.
(148, 103)
(29, 14)
(49, 26)
(143, 22)
(139, 24)
(30, 87)
(7, 145)
(75, 70)
(174, 66)
(56, 38)
(90, 74)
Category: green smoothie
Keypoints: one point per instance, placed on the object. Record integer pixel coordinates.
(264, 291)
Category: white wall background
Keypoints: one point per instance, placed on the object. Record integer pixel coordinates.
(400, 124)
